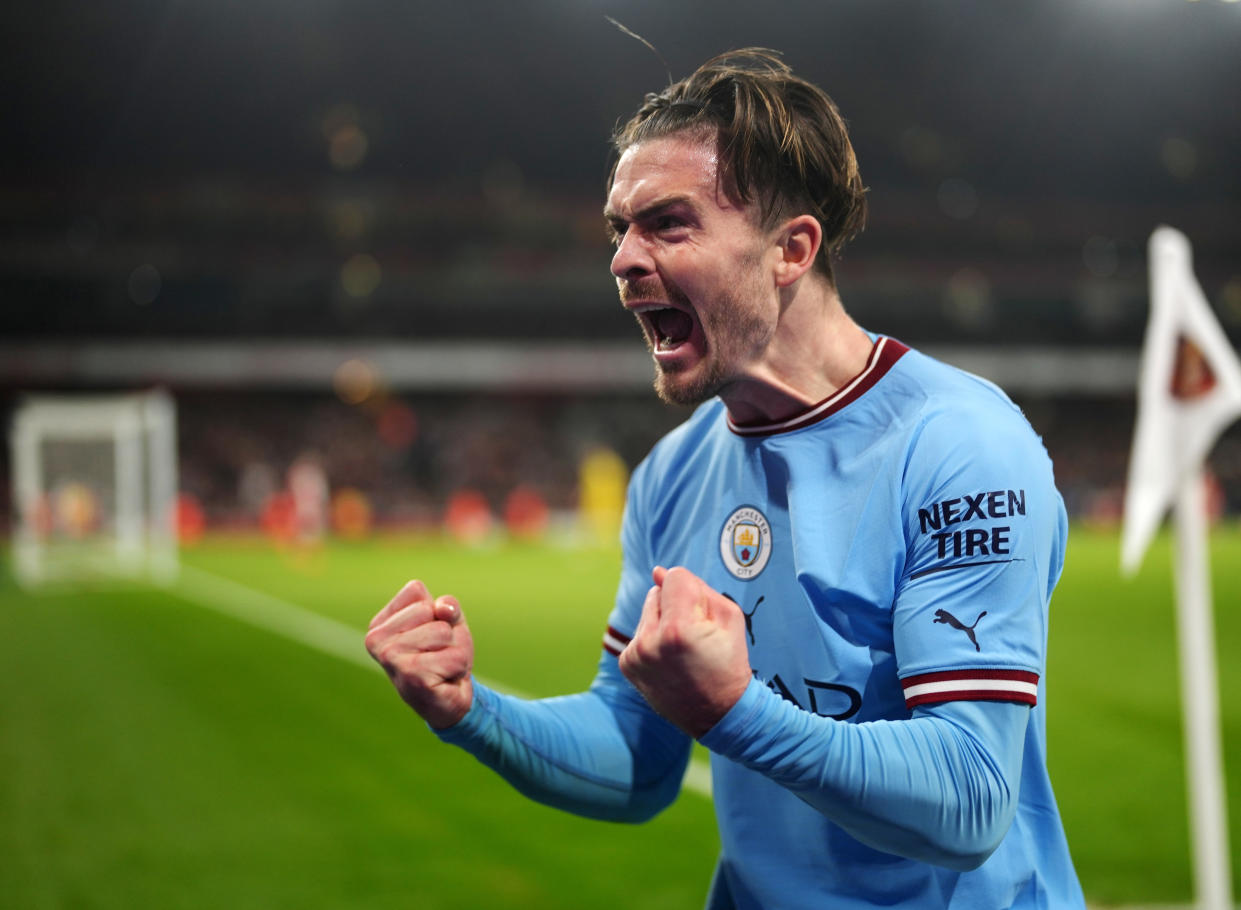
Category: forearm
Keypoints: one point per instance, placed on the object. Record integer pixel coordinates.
(923, 788)
(593, 754)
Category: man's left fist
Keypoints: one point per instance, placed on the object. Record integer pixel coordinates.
(688, 656)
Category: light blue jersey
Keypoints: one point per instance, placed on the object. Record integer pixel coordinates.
(893, 550)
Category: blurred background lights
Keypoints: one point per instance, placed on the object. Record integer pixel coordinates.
(360, 275)
(397, 425)
(348, 147)
(1179, 156)
(957, 198)
(355, 381)
(347, 141)
(968, 299)
(1016, 232)
(924, 149)
(144, 284)
(468, 517)
(352, 515)
(350, 219)
(526, 515)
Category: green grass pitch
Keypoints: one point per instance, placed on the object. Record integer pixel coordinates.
(155, 753)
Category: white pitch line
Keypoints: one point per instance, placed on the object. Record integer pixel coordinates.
(274, 615)
(330, 636)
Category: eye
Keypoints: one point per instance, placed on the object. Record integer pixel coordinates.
(668, 223)
(616, 232)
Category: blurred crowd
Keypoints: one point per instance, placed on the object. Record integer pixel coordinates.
(410, 458)
(408, 462)
(305, 465)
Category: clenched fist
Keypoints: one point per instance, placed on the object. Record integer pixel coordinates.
(426, 649)
(688, 656)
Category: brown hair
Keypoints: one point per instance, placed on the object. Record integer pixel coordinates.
(780, 138)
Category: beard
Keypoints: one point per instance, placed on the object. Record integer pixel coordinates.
(678, 388)
(735, 332)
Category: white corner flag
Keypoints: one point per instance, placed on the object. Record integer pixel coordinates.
(1189, 391)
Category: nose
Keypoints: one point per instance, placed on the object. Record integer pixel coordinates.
(632, 259)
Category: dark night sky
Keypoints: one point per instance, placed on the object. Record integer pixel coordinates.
(1103, 99)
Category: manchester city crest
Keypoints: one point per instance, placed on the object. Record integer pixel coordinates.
(745, 542)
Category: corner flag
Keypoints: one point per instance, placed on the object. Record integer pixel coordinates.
(1189, 390)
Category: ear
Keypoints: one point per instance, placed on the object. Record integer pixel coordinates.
(799, 240)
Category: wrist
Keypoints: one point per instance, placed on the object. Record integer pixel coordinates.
(472, 723)
(740, 717)
(441, 715)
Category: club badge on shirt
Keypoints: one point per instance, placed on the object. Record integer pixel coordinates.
(745, 542)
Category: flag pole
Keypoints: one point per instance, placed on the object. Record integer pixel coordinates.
(1208, 814)
(1189, 391)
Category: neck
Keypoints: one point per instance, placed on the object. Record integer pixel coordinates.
(817, 349)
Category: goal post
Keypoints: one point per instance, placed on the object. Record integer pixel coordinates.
(95, 487)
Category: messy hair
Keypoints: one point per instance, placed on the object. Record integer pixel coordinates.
(780, 139)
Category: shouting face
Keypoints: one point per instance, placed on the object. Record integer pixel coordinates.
(691, 264)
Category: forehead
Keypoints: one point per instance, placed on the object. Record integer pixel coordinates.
(677, 166)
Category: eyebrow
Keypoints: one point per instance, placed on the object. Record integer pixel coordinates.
(655, 208)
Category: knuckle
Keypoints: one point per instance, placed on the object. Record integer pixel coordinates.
(633, 657)
(437, 634)
(672, 637)
(644, 652)
(407, 667)
(391, 656)
(680, 576)
(413, 588)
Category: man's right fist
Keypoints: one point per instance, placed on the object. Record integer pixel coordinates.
(424, 644)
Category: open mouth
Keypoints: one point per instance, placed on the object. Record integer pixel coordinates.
(670, 327)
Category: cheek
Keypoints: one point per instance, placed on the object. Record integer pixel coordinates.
(703, 278)
(717, 286)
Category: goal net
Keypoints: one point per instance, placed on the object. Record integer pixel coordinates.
(94, 488)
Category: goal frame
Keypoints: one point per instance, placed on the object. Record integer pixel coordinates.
(140, 540)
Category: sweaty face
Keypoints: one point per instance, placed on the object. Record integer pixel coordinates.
(689, 264)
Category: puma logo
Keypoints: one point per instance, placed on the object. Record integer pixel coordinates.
(948, 619)
(749, 617)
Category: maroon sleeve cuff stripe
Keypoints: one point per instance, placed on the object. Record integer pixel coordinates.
(1019, 686)
(614, 642)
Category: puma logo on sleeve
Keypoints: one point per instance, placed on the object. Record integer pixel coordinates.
(948, 619)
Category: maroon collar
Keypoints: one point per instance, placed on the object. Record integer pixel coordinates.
(882, 356)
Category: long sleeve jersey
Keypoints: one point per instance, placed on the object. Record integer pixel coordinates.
(894, 550)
